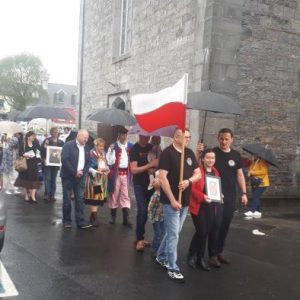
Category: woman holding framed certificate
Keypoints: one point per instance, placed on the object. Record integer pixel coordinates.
(206, 212)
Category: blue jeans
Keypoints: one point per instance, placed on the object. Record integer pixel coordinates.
(256, 194)
(173, 220)
(77, 186)
(50, 174)
(142, 197)
(159, 232)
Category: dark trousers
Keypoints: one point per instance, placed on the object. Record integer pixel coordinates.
(207, 225)
(142, 197)
(77, 186)
(50, 174)
(228, 212)
(256, 194)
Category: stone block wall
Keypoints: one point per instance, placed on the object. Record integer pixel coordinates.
(268, 85)
(247, 49)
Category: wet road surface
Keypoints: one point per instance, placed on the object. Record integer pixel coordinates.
(47, 261)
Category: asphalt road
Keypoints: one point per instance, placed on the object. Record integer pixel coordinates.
(47, 261)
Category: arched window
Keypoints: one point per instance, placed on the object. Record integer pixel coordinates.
(119, 103)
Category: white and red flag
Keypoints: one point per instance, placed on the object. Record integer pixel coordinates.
(164, 108)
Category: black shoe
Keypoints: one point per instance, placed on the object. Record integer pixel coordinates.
(223, 260)
(176, 276)
(84, 226)
(191, 260)
(126, 221)
(113, 215)
(162, 263)
(202, 264)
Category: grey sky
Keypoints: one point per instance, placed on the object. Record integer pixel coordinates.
(46, 28)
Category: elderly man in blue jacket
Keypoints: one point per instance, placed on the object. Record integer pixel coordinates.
(75, 164)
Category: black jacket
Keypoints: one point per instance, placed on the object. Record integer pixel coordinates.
(69, 160)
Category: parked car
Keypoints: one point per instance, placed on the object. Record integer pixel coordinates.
(2, 220)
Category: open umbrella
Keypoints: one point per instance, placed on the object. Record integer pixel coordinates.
(112, 116)
(13, 115)
(165, 131)
(44, 111)
(214, 102)
(10, 127)
(263, 151)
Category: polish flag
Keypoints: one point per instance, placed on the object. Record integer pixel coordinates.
(164, 108)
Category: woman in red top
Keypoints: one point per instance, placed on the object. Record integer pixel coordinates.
(206, 216)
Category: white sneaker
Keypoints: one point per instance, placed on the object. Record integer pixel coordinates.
(257, 214)
(249, 213)
(8, 192)
(176, 276)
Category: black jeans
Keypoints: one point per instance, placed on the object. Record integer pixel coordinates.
(228, 212)
(207, 224)
(142, 197)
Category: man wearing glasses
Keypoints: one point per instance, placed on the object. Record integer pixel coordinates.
(175, 212)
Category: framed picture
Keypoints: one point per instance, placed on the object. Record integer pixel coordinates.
(53, 156)
(213, 188)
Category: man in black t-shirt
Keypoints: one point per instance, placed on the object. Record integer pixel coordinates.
(229, 164)
(175, 212)
(140, 168)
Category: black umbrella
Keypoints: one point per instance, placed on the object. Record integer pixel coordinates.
(112, 116)
(13, 115)
(43, 111)
(263, 151)
(214, 102)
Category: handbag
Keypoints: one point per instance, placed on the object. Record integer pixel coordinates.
(21, 164)
(255, 181)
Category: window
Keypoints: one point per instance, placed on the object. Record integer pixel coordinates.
(59, 97)
(73, 100)
(121, 29)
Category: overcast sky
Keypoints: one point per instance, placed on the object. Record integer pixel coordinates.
(46, 28)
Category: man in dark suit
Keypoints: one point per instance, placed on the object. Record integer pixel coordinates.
(75, 163)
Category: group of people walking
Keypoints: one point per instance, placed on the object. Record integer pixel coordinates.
(95, 176)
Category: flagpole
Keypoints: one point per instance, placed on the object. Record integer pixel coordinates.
(186, 79)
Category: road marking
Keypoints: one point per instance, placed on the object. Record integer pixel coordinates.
(7, 287)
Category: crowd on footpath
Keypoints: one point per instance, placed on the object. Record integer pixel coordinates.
(93, 176)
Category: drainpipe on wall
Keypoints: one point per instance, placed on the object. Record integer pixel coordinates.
(81, 65)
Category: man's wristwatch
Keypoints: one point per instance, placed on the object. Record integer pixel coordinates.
(244, 193)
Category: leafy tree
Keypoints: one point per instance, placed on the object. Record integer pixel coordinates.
(21, 78)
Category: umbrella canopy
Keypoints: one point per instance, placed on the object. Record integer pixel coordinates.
(263, 151)
(45, 112)
(165, 131)
(10, 127)
(13, 115)
(112, 116)
(214, 102)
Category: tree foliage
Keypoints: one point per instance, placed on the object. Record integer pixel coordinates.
(21, 80)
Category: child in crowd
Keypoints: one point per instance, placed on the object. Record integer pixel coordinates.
(155, 216)
(153, 154)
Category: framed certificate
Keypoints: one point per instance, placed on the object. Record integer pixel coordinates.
(53, 156)
(213, 188)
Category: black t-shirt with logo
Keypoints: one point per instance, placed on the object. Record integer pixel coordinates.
(227, 163)
(140, 155)
(170, 161)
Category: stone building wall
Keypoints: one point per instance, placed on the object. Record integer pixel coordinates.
(268, 85)
(247, 49)
(161, 50)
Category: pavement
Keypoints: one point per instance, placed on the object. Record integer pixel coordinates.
(46, 261)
